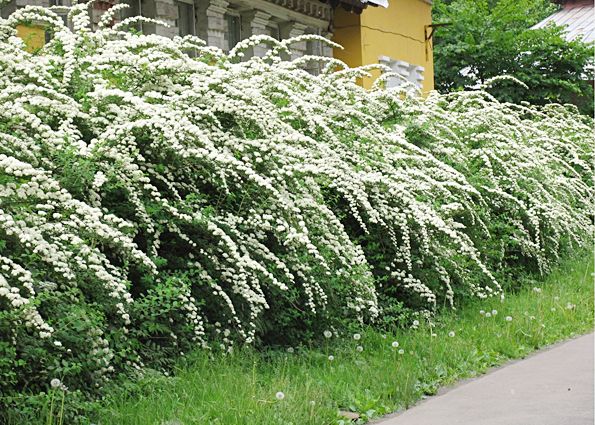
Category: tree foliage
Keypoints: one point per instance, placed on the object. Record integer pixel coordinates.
(488, 38)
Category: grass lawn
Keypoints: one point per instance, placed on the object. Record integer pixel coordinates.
(242, 388)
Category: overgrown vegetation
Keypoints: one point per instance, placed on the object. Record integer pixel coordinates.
(153, 203)
(242, 388)
(488, 38)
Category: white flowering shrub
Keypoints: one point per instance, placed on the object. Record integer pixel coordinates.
(152, 201)
(532, 166)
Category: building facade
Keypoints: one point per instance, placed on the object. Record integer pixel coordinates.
(372, 31)
(398, 36)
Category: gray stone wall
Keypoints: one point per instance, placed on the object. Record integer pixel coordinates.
(278, 18)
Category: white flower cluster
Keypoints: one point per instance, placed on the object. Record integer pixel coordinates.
(532, 167)
(122, 156)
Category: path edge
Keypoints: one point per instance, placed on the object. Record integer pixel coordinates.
(448, 388)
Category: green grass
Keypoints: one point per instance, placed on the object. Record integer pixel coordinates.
(240, 388)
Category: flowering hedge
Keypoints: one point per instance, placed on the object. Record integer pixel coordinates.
(153, 201)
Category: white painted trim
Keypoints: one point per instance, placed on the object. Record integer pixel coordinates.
(383, 3)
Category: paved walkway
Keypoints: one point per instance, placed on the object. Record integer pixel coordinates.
(553, 387)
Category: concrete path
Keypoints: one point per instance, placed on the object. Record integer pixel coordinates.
(552, 387)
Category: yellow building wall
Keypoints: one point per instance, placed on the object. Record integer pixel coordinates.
(32, 35)
(397, 32)
(348, 33)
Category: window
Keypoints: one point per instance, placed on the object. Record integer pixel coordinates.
(6, 8)
(275, 31)
(234, 31)
(186, 20)
(61, 14)
(133, 9)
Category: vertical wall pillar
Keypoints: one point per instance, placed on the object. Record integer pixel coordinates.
(294, 29)
(255, 22)
(166, 11)
(326, 49)
(211, 21)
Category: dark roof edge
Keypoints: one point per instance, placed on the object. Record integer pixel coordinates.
(355, 6)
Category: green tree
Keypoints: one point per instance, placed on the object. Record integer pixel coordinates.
(488, 38)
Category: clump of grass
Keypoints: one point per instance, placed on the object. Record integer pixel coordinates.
(380, 377)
